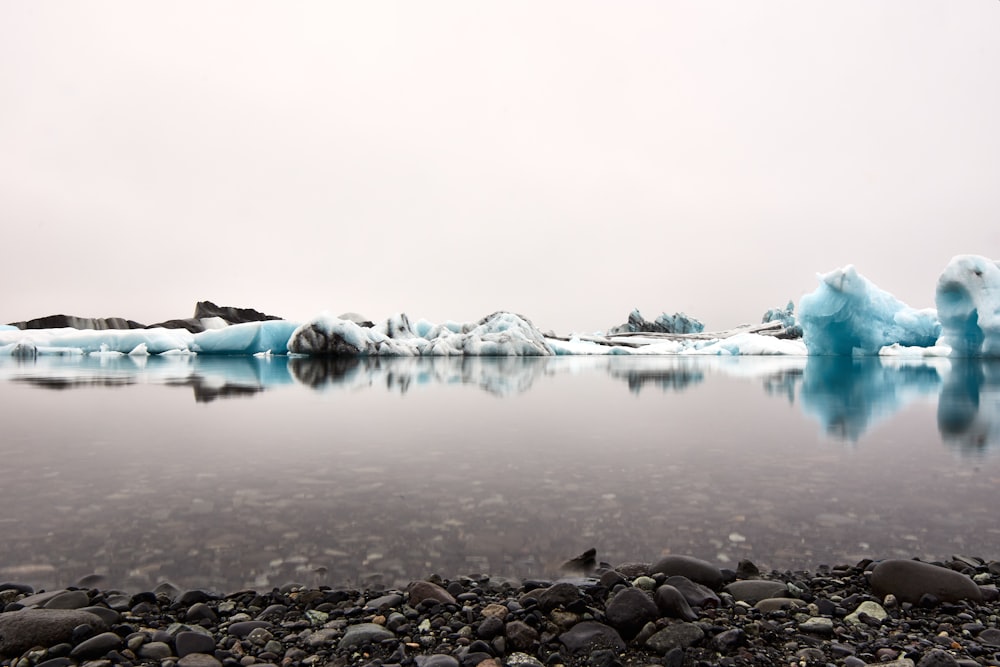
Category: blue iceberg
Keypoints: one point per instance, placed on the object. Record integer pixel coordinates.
(848, 314)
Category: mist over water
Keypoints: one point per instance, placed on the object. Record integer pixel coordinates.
(234, 472)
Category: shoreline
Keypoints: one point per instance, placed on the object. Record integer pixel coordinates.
(677, 611)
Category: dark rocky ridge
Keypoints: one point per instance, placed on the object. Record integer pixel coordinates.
(202, 310)
(624, 616)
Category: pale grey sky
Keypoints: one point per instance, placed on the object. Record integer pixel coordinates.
(565, 160)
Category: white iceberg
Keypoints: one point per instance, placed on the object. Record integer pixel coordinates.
(968, 303)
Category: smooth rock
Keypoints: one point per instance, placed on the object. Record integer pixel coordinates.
(520, 635)
(938, 658)
(155, 651)
(817, 625)
(694, 569)
(753, 591)
(243, 628)
(425, 590)
(199, 660)
(364, 633)
(697, 595)
(437, 660)
(20, 630)
(589, 636)
(68, 600)
(909, 580)
(681, 635)
(631, 609)
(557, 595)
(769, 605)
(187, 642)
(869, 608)
(97, 646)
(990, 637)
(671, 602)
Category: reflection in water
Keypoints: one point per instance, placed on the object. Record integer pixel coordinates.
(847, 395)
(669, 373)
(969, 406)
(850, 394)
(329, 470)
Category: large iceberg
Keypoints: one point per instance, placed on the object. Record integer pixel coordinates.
(848, 314)
(968, 303)
(499, 334)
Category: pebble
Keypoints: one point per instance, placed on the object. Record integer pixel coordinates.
(576, 622)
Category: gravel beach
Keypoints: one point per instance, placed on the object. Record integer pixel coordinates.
(677, 611)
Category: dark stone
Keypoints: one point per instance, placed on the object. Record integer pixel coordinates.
(109, 616)
(589, 636)
(191, 597)
(697, 595)
(694, 569)
(490, 627)
(671, 602)
(199, 660)
(201, 611)
(385, 601)
(631, 609)
(582, 564)
(557, 595)
(604, 658)
(438, 660)
(243, 628)
(425, 590)
(747, 570)
(97, 646)
(520, 636)
(910, 580)
(187, 642)
(23, 589)
(990, 637)
(938, 658)
(726, 642)
(680, 635)
(753, 591)
(364, 633)
(20, 630)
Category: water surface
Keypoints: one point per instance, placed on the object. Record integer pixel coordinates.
(234, 472)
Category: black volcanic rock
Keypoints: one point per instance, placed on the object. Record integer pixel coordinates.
(74, 322)
(203, 309)
(231, 314)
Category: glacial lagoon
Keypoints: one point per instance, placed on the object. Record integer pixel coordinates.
(236, 472)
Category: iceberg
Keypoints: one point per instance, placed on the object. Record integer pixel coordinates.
(968, 304)
(499, 334)
(848, 314)
(678, 323)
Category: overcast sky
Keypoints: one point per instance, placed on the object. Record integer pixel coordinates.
(565, 160)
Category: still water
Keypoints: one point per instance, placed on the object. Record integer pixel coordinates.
(227, 473)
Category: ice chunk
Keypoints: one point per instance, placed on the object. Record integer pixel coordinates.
(847, 314)
(968, 302)
(246, 338)
(786, 316)
(50, 341)
(753, 344)
(678, 323)
(500, 334)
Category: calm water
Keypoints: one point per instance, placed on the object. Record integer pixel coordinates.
(234, 472)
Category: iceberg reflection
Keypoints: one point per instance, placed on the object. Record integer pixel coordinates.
(968, 411)
(846, 395)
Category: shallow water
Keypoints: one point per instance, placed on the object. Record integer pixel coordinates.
(242, 472)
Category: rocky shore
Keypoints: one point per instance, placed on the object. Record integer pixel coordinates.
(677, 611)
